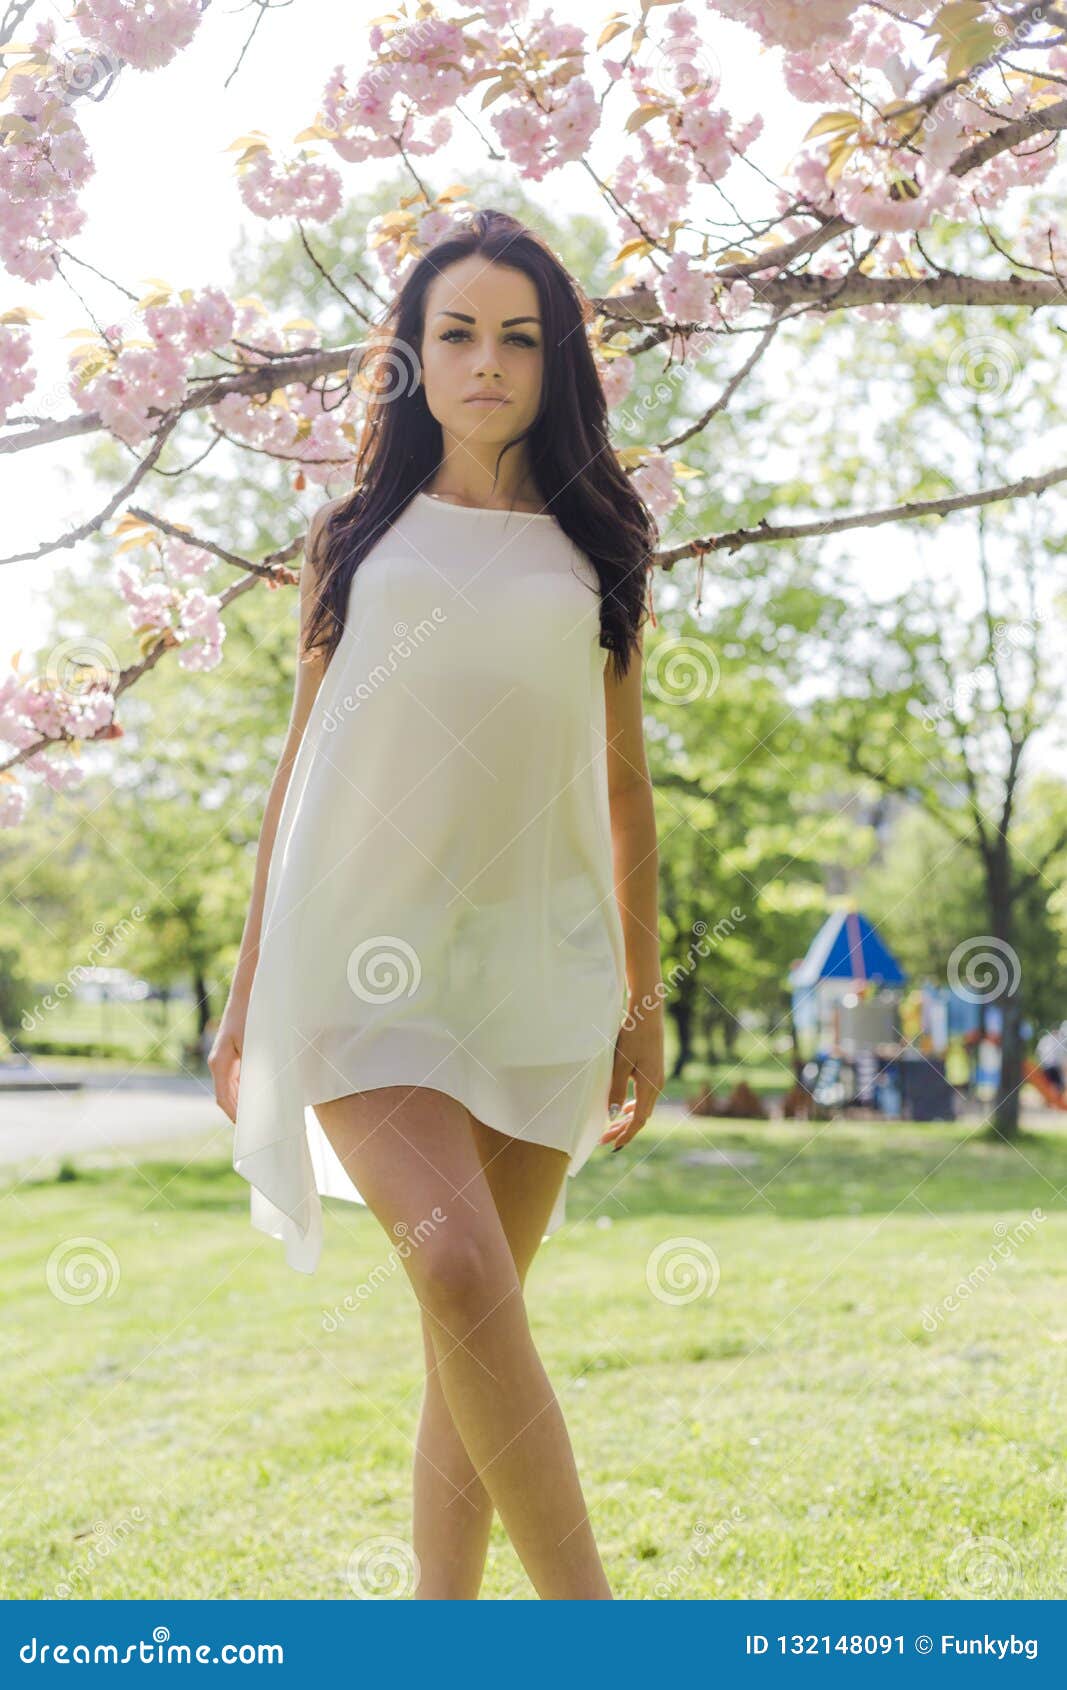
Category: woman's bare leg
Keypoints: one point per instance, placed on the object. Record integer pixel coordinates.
(412, 1153)
(453, 1511)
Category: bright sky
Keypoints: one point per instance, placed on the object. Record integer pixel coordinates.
(164, 204)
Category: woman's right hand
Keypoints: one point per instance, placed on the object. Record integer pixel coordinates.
(224, 1058)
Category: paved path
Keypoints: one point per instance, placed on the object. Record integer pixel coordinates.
(128, 1110)
(109, 1111)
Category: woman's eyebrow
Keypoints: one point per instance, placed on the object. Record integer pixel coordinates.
(506, 323)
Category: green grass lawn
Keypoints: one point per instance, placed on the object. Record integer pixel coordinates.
(207, 1430)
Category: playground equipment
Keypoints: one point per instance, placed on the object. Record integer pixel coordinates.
(1034, 1076)
(867, 1047)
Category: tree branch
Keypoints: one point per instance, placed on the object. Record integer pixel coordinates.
(1037, 122)
(915, 794)
(1023, 882)
(734, 539)
(273, 567)
(728, 391)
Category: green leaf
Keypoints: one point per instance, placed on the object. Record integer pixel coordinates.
(833, 122)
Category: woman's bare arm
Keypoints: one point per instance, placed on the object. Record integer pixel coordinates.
(633, 825)
(639, 1047)
(224, 1060)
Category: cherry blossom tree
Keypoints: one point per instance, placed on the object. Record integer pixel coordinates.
(926, 119)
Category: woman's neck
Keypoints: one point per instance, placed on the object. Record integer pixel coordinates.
(465, 485)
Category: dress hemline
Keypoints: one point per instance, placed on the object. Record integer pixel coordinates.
(303, 1242)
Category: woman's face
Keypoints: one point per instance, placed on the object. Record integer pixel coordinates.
(482, 336)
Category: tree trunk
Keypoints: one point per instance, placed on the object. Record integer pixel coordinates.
(1005, 1122)
(682, 1016)
(203, 1002)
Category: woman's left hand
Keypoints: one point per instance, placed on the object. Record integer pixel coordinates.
(638, 1053)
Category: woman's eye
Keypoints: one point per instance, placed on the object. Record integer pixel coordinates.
(519, 339)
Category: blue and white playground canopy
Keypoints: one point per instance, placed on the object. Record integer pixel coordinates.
(846, 947)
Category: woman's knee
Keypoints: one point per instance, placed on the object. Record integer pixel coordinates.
(464, 1277)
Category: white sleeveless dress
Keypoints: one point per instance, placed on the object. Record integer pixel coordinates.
(440, 905)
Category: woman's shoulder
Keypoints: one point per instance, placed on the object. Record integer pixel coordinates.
(316, 530)
(321, 516)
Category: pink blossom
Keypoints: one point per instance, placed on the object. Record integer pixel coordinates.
(12, 803)
(38, 706)
(52, 711)
(150, 602)
(655, 186)
(201, 630)
(654, 481)
(30, 235)
(684, 291)
(40, 176)
(269, 428)
(747, 133)
(144, 33)
(306, 188)
(791, 23)
(436, 225)
(616, 378)
(809, 173)
(199, 325)
(1042, 241)
(16, 726)
(135, 380)
(16, 372)
(870, 205)
(540, 135)
(735, 300)
(499, 13)
(37, 709)
(416, 73)
(811, 76)
(58, 770)
(707, 132)
(186, 561)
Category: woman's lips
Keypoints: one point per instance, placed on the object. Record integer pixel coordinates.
(487, 401)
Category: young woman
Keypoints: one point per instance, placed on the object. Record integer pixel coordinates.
(449, 970)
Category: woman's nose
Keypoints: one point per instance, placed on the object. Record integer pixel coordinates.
(487, 362)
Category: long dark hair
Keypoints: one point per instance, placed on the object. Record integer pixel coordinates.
(574, 465)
